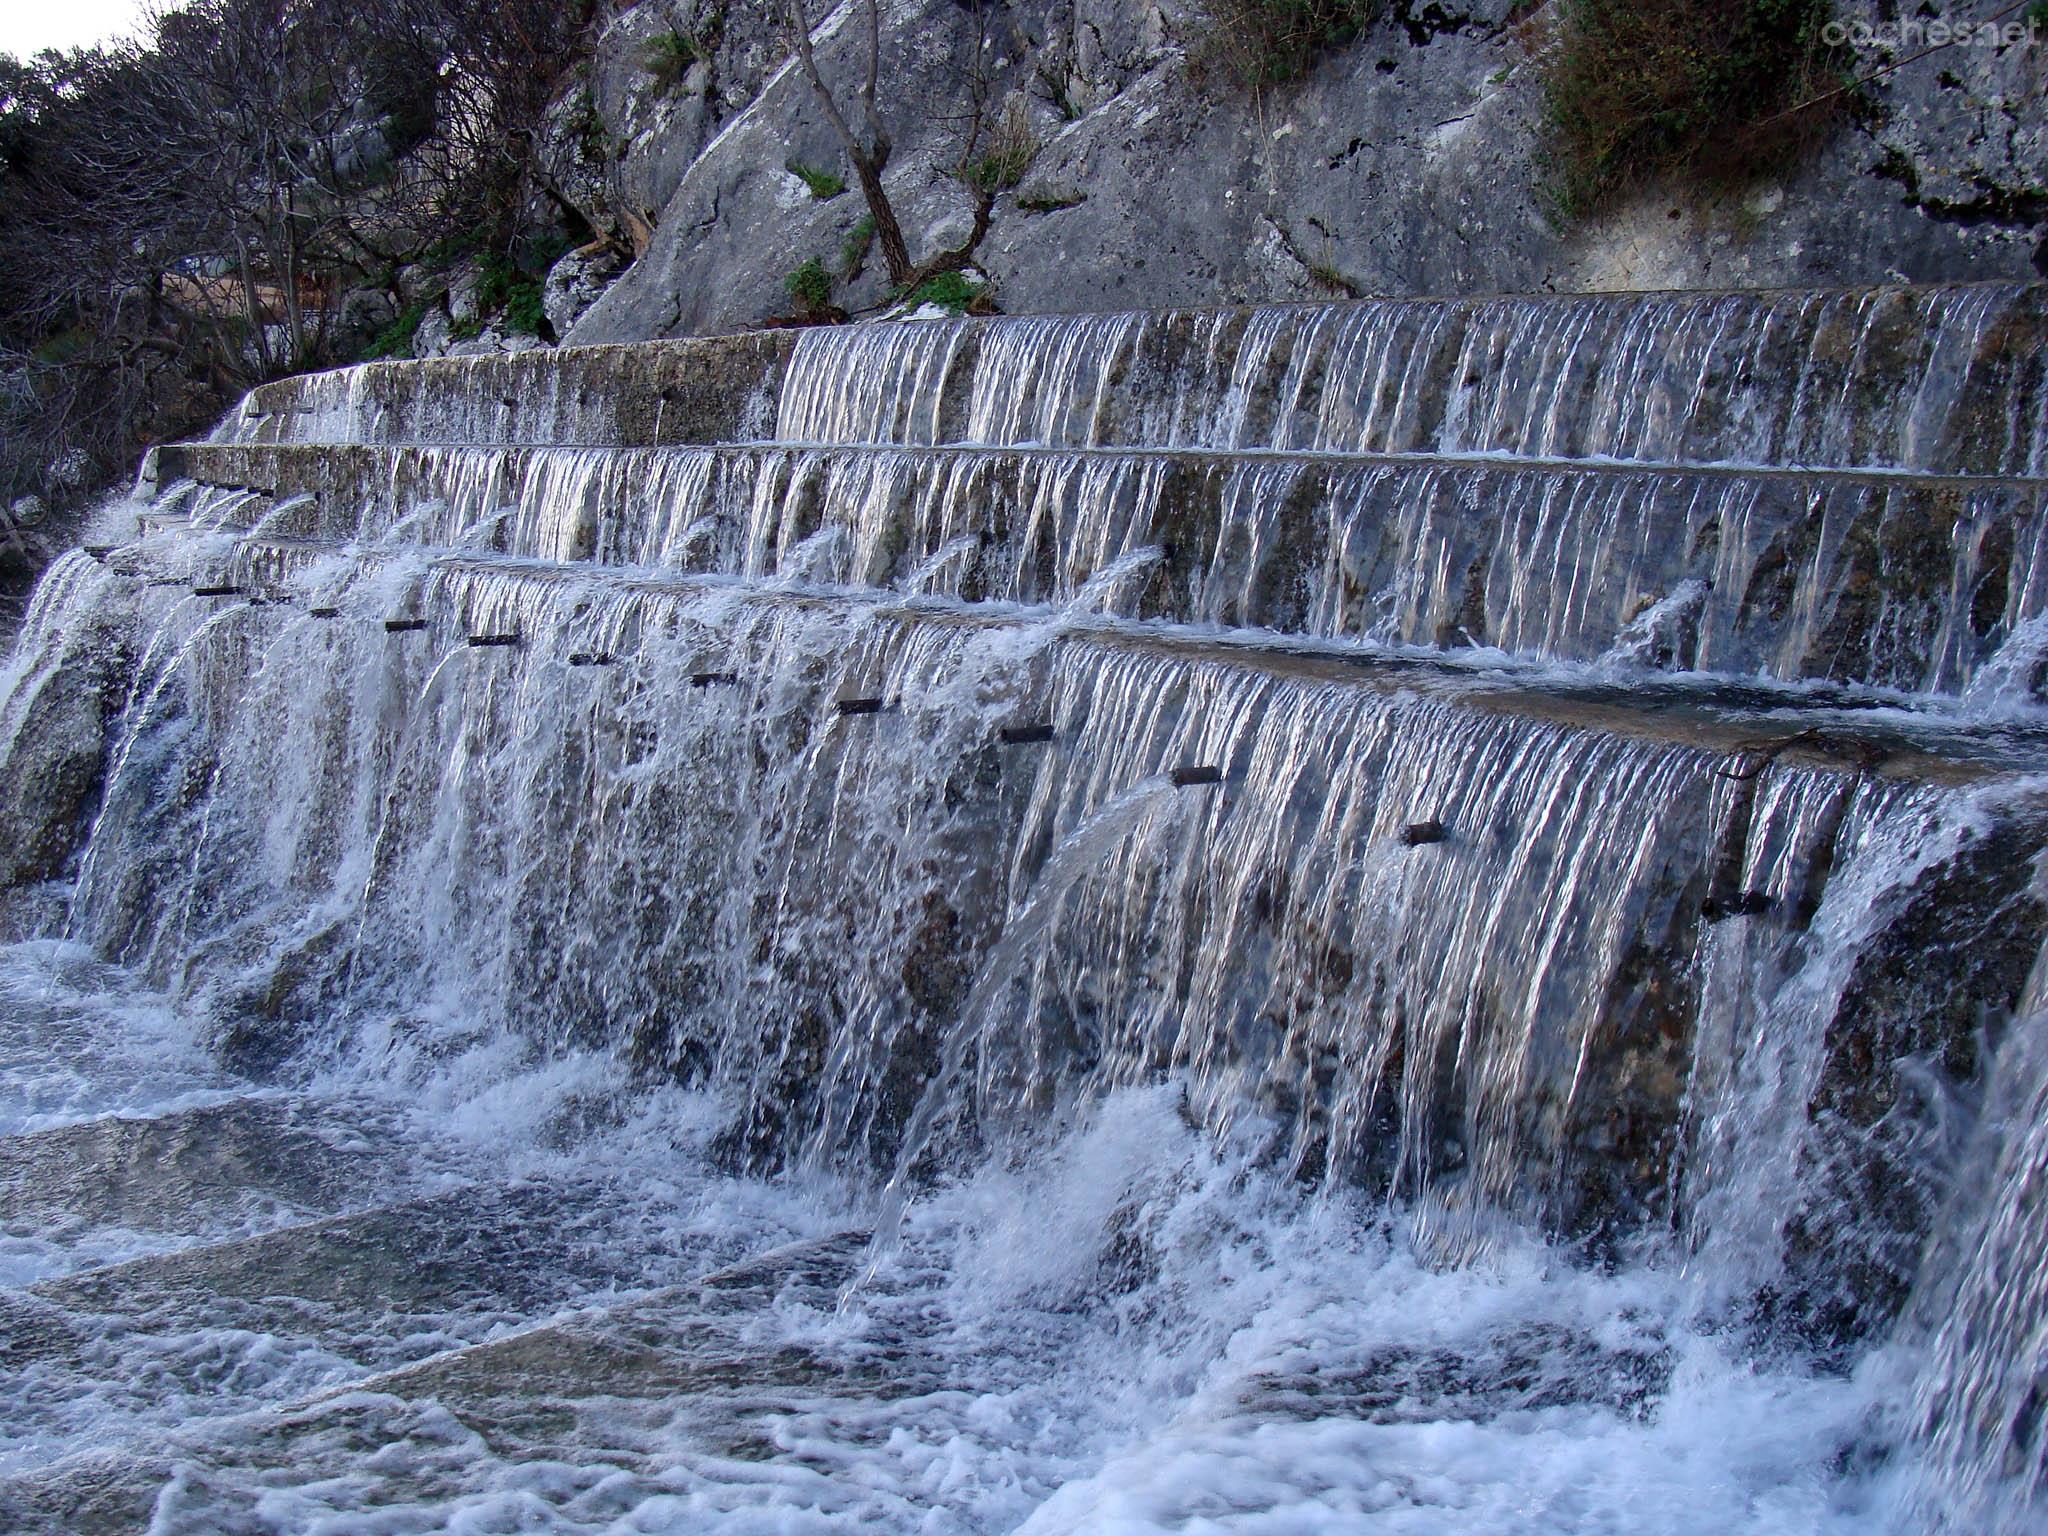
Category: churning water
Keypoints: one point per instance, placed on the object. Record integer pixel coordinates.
(923, 965)
(1134, 1328)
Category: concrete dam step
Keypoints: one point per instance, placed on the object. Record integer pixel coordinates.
(1945, 380)
(1841, 486)
(1906, 582)
(573, 615)
(1422, 908)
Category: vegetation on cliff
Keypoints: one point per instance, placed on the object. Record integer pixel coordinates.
(1713, 90)
(237, 197)
(1262, 43)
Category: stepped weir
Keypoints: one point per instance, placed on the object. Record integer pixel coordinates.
(1413, 910)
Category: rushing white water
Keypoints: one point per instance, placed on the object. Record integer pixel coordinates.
(1910, 584)
(755, 986)
(1850, 379)
(1129, 1332)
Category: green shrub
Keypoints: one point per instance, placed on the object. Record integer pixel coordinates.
(539, 252)
(466, 330)
(948, 290)
(1008, 154)
(810, 285)
(509, 289)
(525, 313)
(823, 184)
(396, 339)
(853, 250)
(670, 54)
(1268, 42)
(66, 345)
(1717, 91)
(443, 255)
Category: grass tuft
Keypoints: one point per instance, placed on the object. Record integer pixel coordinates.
(1012, 146)
(671, 54)
(1261, 43)
(824, 184)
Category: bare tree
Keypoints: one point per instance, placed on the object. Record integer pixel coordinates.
(185, 214)
(869, 149)
(993, 149)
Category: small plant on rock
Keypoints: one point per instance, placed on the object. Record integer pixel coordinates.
(1262, 43)
(853, 250)
(810, 287)
(824, 184)
(1051, 199)
(396, 339)
(1011, 148)
(507, 288)
(949, 290)
(671, 54)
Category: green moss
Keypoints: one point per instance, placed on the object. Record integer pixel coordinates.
(948, 290)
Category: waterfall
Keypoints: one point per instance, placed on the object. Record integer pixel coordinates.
(1864, 379)
(1326, 883)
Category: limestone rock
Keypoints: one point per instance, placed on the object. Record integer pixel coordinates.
(463, 286)
(1406, 162)
(576, 282)
(435, 334)
(366, 311)
(56, 730)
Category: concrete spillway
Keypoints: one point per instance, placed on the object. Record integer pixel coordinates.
(1464, 869)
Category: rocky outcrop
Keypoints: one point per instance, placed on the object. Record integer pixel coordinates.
(55, 730)
(1408, 162)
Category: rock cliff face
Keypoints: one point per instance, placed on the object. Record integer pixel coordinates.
(1408, 162)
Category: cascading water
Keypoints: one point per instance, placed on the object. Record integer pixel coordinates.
(1406, 915)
